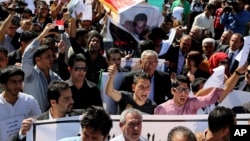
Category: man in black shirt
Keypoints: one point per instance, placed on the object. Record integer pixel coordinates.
(85, 93)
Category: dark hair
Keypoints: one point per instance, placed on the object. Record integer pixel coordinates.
(99, 37)
(184, 131)
(141, 75)
(157, 33)
(146, 45)
(221, 117)
(196, 57)
(140, 17)
(28, 11)
(76, 58)
(196, 84)
(111, 51)
(4, 51)
(80, 32)
(96, 118)
(180, 79)
(27, 36)
(8, 72)
(40, 50)
(55, 88)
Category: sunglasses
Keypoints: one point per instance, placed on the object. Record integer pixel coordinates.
(224, 62)
(182, 90)
(80, 69)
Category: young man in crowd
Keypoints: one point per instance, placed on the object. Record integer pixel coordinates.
(219, 122)
(14, 103)
(96, 124)
(85, 92)
(138, 99)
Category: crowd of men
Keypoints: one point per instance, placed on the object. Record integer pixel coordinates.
(51, 74)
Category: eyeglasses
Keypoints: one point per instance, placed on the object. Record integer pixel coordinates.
(80, 69)
(147, 63)
(182, 90)
(224, 62)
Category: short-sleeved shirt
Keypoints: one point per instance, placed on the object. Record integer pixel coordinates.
(127, 101)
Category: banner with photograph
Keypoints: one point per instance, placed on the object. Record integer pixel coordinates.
(121, 38)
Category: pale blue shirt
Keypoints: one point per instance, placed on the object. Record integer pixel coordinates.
(35, 82)
(152, 89)
(181, 61)
(235, 53)
(7, 43)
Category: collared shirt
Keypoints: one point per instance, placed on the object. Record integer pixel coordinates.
(35, 82)
(152, 89)
(202, 20)
(121, 138)
(181, 61)
(51, 117)
(7, 43)
(237, 23)
(235, 53)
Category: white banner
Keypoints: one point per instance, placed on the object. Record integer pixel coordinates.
(154, 128)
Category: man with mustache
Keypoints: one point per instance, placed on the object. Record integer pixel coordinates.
(61, 103)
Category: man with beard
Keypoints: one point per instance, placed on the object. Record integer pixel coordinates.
(85, 92)
(38, 76)
(61, 103)
(139, 99)
(14, 103)
(131, 126)
(42, 17)
(95, 61)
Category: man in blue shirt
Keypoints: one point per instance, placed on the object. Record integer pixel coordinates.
(234, 17)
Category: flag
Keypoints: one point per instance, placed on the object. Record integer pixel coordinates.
(60, 25)
(119, 5)
(121, 38)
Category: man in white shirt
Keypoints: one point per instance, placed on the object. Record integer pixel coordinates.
(14, 103)
(205, 19)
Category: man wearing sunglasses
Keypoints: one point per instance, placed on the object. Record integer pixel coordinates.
(85, 93)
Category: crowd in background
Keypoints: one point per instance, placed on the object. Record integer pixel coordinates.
(35, 59)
